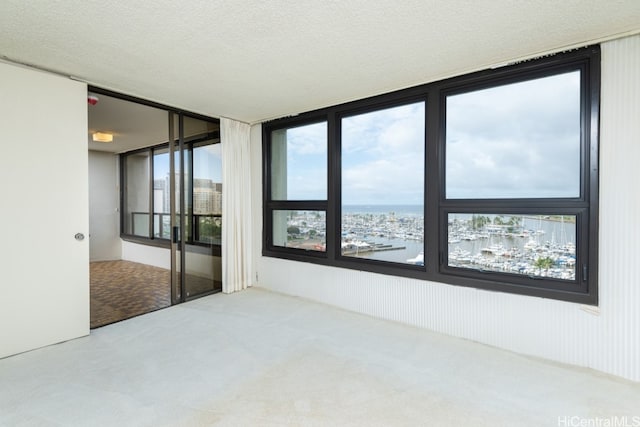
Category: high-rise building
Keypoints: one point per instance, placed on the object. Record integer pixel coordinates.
(207, 195)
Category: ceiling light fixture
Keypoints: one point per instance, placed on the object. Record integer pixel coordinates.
(102, 137)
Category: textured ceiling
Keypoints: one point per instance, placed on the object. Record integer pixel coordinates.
(132, 125)
(255, 60)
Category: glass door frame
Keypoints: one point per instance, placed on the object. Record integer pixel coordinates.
(182, 212)
(176, 144)
(177, 224)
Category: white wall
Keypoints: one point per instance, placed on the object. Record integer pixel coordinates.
(607, 340)
(104, 218)
(44, 288)
(144, 254)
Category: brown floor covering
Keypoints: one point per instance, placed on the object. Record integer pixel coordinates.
(124, 289)
(200, 285)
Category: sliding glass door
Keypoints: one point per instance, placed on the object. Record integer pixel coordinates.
(196, 207)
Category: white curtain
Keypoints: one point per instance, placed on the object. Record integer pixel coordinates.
(236, 205)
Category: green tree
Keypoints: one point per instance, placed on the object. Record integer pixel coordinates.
(479, 221)
(210, 230)
(544, 263)
(292, 229)
(514, 223)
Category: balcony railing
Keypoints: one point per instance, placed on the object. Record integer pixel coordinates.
(200, 228)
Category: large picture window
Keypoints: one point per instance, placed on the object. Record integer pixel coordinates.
(487, 180)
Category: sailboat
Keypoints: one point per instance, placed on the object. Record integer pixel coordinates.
(418, 260)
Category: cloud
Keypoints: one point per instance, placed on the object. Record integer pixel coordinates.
(382, 152)
(307, 183)
(207, 162)
(305, 162)
(518, 140)
(515, 140)
(383, 156)
(396, 181)
(309, 139)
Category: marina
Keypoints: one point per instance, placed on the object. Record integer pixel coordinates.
(536, 246)
(360, 248)
(530, 245)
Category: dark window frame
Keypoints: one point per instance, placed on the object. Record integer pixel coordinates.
(272, 205)
(437, 206)
(151, 240)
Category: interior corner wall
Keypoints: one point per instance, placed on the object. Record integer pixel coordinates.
(606, 339)
(44, 289)
(104, 217)
(256, 201)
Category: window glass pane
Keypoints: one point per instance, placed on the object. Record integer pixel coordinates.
(383, 184)
(529, 245)
(136, 218)
(299, 163)
(519, 140)
(161, 208)
(207, 193)
(300, 229)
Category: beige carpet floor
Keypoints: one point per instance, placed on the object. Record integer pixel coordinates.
(256, 358)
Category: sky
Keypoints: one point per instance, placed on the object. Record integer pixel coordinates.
(307, 162)
(382, 158)
(207, 161)
(517, 140)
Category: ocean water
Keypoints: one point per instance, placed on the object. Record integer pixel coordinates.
(412, 249)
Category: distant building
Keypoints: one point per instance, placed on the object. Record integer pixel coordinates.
(207, 196)
(159, 195)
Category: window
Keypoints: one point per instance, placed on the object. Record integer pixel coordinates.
(304, 229)
(146, 196)
(297, 202)
(487, 180)
(161, 208)
(540, 246)
(207, 193)
(299, 163)
(382, 165)
(136, 209)
(517, 140)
